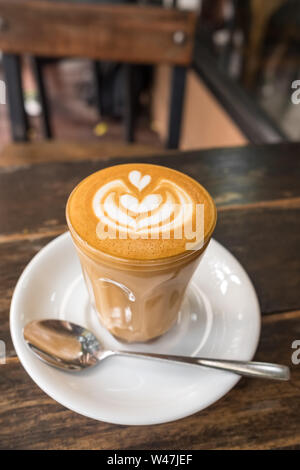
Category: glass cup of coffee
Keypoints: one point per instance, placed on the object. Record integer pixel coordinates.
(140, 231)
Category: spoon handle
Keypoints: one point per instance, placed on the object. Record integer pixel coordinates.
(262, 370)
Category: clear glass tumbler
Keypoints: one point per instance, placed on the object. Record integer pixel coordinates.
(136, 300)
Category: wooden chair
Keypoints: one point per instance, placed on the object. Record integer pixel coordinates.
(123, 33)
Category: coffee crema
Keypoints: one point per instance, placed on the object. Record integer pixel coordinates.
(140, 212)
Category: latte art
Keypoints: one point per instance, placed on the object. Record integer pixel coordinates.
(127, 210)
(141, 211)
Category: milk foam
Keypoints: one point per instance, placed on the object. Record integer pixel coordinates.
(129, 204)
(140, 212)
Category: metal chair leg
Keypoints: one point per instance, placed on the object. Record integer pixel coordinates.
(13, 79)
(37, 66)
(176, 106)
(97, 84)
(129, 108)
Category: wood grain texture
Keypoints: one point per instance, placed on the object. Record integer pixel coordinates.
(14, 257)
(20, 154)
(234, 176)
(258, 195)
(125, 33)
(266, 241)
(254, 415)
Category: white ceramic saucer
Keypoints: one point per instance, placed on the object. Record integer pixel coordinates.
(220, 318)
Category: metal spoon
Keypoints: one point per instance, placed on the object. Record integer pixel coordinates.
(71, 347)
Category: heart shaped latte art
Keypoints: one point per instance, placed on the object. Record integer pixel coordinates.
(136, 179)
(148, 204)
(118, 206)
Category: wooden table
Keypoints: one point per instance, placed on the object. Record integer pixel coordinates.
(257, 190)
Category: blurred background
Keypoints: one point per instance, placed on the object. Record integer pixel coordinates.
(237, 83)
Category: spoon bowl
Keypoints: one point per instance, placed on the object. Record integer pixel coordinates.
(63, 344)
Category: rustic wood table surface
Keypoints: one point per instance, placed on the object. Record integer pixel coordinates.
(257, 191)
